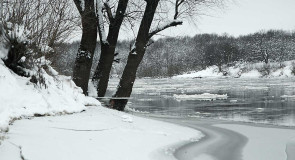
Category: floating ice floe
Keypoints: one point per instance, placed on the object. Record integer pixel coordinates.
(200, 97)
(233, 101)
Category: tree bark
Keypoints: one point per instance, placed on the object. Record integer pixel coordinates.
(83, 62)
(103, 69)
(134, 59)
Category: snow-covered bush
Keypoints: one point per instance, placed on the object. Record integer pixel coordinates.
(264, 70)
(15, 42)
(22, 56)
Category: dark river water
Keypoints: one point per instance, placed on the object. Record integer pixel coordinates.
(270, 101)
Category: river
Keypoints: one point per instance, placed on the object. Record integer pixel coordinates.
(263, 100)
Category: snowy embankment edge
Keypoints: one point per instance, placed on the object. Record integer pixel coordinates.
(20, 98)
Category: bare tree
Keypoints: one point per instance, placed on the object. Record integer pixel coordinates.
(108, 43)
(34, 24)
(47, 21)
(182, 8)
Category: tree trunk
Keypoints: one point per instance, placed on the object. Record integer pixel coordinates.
(16, 51)
(103, 69)
(134, 59)
(127, 80)
(83, 62)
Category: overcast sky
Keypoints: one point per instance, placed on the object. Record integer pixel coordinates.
(239, 18)
(242, 17)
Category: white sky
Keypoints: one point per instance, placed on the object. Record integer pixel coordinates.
(242, 17)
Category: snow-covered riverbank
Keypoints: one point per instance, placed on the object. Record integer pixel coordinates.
(246, 70)
(97, 133)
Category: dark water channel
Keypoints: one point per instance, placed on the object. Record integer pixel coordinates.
(270, 101)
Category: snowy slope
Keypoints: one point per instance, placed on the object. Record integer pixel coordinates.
(21, 98)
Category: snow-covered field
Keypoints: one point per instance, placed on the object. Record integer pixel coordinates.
(97, 133)
(245, 70)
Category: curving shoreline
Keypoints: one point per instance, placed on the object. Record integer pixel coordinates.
(236, 141)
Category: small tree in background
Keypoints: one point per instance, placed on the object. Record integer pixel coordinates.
(221, 53)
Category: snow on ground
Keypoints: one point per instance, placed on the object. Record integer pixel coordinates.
(21, 98)
(245, 70)
(265, 143)
(251, 74)
(200, 97)
(97, 133)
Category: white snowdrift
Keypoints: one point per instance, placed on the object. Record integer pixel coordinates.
(98, 133)
(21, 98)
(210, 72)
(200, 97)
(245, 70)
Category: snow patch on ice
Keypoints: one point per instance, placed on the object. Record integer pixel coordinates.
(233, 101)
(200, 97)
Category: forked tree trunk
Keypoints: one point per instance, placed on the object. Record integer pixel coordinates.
(134, 59)
(103, 69)
(85, 53)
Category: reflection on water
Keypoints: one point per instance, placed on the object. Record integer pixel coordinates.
(251, 100)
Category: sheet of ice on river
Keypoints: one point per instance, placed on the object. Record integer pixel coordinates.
(265, 143)
(201, 97)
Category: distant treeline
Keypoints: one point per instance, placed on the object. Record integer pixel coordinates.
(172, 56)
